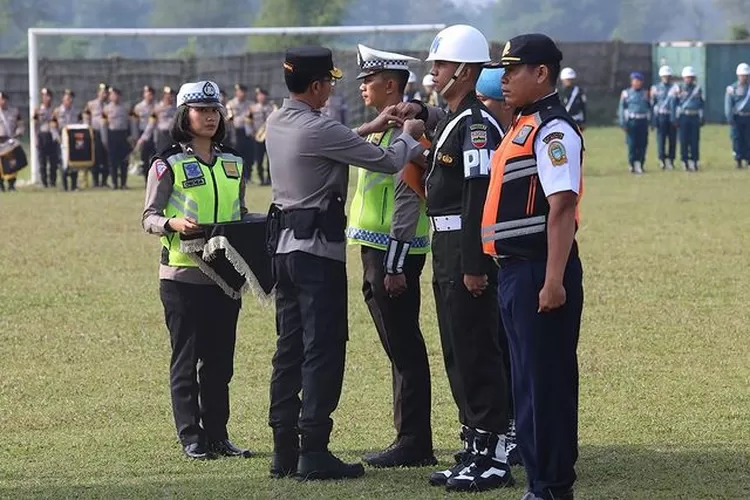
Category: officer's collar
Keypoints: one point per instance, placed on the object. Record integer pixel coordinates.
(544, 102)
(187, 148)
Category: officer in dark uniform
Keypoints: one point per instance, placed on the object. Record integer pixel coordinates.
(118, 130)
(47, 147)
(528, 225)
(464, 278)
(310, 155)
(142, 114)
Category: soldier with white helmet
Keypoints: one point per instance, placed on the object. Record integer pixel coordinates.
(664, 117)
(737, 111)
(573, 96)
(690, 118)
(464, 279)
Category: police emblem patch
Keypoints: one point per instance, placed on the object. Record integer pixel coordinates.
(161, 168)
(192, 170)
(522, 135)
(557, 153)
(230, 169)
(479, 138)
(435, 45)
(208, 89)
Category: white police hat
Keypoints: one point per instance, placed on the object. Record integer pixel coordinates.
(688, 71)
(372, 61)
(203, 94)
(568, 74)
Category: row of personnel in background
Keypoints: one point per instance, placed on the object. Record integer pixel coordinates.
(118, 130)
(505, 263)
(678, 108)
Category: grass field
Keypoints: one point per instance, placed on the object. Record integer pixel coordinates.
(664, 351)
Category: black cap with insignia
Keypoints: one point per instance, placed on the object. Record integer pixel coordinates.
(115, 90)
(311, 61)
(240, 86)
(534, 48)
(46, 91)
(69, 92)
(3, 95)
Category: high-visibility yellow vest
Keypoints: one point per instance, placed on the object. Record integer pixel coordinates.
(205, 194)
(371, 210)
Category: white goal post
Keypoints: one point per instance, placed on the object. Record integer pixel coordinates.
(34, 33)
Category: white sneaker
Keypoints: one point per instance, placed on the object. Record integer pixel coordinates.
(637, 168)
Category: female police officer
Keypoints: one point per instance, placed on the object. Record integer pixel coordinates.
(196, 181)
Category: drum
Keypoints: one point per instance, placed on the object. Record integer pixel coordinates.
(77, 146)
(12, 157)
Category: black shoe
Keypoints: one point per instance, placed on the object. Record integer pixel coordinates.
(284, 464)
(400, 454)
(321, 465)
(739, 164)
(225, 448)
(488, 469)
(441, 477)
(198, 451)
(512, 452)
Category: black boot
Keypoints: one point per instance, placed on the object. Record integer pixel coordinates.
(285, 453)
(402, 453)
(463, 459)
(2, 186)
(11, 185)
(488, 469)
(198, 451)
(322, 465)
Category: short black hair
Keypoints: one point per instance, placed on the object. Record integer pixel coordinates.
(299, 83)
(180, 129)
(554, 73)
(401, 77)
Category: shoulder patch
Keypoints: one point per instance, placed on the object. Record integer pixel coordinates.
(477, 126)
(161, 168)
(553, 135)
(479, 138)
(523, 135)
(557, 154)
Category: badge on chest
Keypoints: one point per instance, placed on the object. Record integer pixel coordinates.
(193, 175)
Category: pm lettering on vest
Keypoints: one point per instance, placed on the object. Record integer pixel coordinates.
(477, 163)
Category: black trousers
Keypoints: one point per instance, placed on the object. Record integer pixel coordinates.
(118, 150)
(470, 339)
(312, 328)
(202, 323)
(148, 150)
(245, 146)
(100, 170)
(545, 371)
(49, 158)
(260, 156)
(397, 322)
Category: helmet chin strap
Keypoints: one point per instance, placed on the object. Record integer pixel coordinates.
(458, 71)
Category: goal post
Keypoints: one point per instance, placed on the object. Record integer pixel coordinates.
(35, 33)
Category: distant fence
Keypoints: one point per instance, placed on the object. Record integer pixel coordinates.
(602, 67)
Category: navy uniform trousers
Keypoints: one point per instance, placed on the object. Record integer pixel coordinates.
(740, 134)
(690, 130)
(637, 138)
(666, 137)
(544, 367)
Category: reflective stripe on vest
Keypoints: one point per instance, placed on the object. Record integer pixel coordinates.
(514, 222)
(371, 211)
(205, 194)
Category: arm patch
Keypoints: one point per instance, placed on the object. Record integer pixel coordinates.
(477, 163)
(552, 136)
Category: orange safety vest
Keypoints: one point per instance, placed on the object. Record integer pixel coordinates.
(413, 173)
(514, 222)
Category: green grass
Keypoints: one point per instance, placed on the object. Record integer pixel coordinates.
(664, 351)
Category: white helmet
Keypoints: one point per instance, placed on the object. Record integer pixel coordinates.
(688, 71)
(460, 43)
(412, 77)
(665, 71)
(743, 69)
(568, 74)
(427, 81)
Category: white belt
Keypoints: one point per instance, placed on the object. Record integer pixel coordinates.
(443, 223)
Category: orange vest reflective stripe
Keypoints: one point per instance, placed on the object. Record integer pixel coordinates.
(514, 222)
